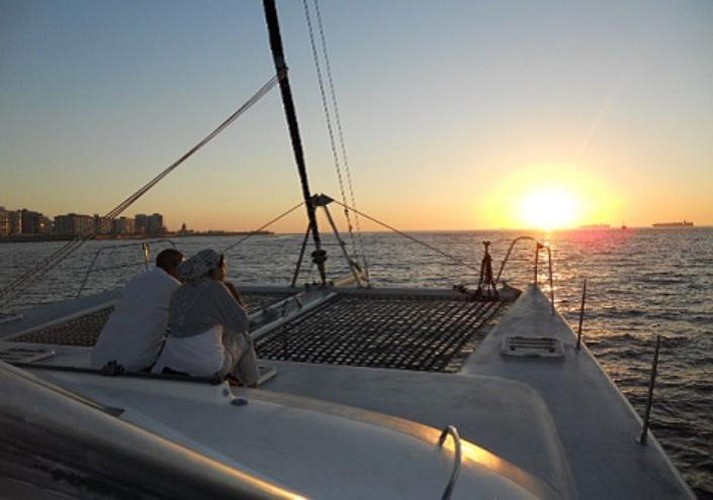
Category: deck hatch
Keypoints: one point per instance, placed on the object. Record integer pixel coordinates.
(549, 347)
(423, 333)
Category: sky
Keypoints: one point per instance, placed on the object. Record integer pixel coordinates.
(456, 115)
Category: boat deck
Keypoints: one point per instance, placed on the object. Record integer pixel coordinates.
(554, 415)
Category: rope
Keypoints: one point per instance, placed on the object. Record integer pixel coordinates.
(253, 233)
(415, 240)
(330, 128)
(26, 279)
(248, 104)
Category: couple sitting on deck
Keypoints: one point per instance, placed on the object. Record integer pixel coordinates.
(207, 323)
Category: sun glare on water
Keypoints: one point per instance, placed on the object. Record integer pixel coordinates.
(549, 209)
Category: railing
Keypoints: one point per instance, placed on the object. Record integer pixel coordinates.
(453, 432)
(538, 246)
(146, 251)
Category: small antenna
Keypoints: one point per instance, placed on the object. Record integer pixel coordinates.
(650, 398)
(581, 316)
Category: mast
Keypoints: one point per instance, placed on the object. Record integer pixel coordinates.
(319, 256)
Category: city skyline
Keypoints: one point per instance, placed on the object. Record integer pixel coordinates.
(26, 222)
(457, 116)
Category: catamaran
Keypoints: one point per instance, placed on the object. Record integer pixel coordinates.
(366, 393)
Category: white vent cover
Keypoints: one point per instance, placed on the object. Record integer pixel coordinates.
(548, 347)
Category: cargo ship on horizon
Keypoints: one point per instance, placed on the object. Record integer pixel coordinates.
(684, 223)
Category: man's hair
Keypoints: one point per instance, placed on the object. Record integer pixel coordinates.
(169, 259)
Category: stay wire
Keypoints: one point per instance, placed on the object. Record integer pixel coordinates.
(325, 106)
(261, 228)
(415, 240)
(247, 105)
(337, 119)
(28, 278)
(335, 105)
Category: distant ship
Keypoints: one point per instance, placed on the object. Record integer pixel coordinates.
(684, 223)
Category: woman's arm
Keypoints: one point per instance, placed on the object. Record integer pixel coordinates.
(236, 295)
(230, 313)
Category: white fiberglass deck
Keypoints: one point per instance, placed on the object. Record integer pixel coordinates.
(555, 425)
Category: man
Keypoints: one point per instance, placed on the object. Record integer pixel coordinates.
(133, 335)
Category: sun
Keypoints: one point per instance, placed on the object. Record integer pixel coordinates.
(549, 209)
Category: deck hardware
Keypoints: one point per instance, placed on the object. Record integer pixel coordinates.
(581, 316)
(453, 432)
(298, 266)
(538, 247)
(541, 347)
(649, 399)
(486, 283)
(353, 266)
(319, 256)
(112, 369)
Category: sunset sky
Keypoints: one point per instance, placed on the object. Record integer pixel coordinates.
(456, 114)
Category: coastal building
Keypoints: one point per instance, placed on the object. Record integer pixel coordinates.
(141, 223)
(46, 225)
(15, 222)
(23, 223)
(32, 222)
(4, 222)
(102, 225)
(124, 225)
(155, 224)
(73, 225)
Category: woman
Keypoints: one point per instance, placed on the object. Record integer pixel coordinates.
(207, 327)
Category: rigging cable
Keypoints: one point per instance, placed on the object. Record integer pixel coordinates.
(247, 105)
(253, 233)
(26, 279)
(330, 128)
(319, 256)
(415, 240)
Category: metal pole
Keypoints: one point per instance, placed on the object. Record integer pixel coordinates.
(650, 398)
(302, 256)
(537, 258)
(552, 285)
(147, 254)
(342, 245)
(278, 57)
(581, 315)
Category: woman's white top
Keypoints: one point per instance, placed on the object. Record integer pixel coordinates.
(201, 355)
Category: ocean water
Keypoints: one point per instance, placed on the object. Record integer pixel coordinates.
(640, 283)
